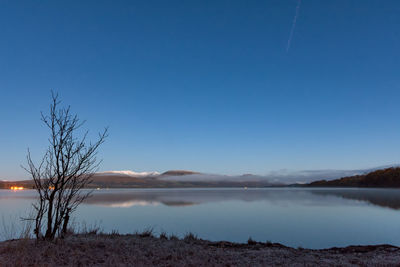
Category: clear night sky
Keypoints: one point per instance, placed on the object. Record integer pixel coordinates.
(206, 85)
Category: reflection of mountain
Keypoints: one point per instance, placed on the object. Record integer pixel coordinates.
(182, 197)
(127, 204)
(129, 198)
(388, 198)
(283, 197)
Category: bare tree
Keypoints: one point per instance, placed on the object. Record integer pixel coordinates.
(65, 169)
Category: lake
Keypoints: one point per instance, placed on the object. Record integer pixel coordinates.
(310, 218)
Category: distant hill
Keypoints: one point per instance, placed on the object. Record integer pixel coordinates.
(128, 179)
(389, 177)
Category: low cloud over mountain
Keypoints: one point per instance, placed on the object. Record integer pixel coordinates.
(185, 178)
(129, 173)
(273, 177)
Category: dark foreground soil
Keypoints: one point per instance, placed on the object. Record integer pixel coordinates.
(142, 250)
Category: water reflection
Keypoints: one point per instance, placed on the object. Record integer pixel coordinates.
(146, 197)
(389, 198)
(308, 217)
(119, 198)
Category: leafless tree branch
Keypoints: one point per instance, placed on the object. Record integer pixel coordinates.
(64, 171)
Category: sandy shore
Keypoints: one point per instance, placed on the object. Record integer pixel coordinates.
(143, 250)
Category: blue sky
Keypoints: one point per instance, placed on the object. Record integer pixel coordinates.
(206, 85)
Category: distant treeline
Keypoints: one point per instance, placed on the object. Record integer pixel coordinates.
(389, 177)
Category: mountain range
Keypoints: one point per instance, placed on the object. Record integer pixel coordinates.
(186, 178)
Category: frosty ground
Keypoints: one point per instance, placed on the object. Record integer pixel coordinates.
(147, 250)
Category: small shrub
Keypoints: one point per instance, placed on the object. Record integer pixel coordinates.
(250, 241)
(173, 237)
(26, 230)
(15, 227)
(190, 237)
(114, 233)
(147, 233)
(163, 235)
(70, 231)
(91, 229)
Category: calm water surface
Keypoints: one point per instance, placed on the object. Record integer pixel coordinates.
(311, 218)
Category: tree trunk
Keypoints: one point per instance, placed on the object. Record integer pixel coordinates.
(65, 226)
(49, 232)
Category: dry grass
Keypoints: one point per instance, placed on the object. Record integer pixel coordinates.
(145, 249)
(250, 241)
(14, 227)
(148, 232)
(163, 236)
(190, 237)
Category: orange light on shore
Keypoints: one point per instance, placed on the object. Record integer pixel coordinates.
(15, 188)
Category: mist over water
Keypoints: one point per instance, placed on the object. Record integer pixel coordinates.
(311, 218)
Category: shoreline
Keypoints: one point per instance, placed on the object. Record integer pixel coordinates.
(145, 249)
(219, 187)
